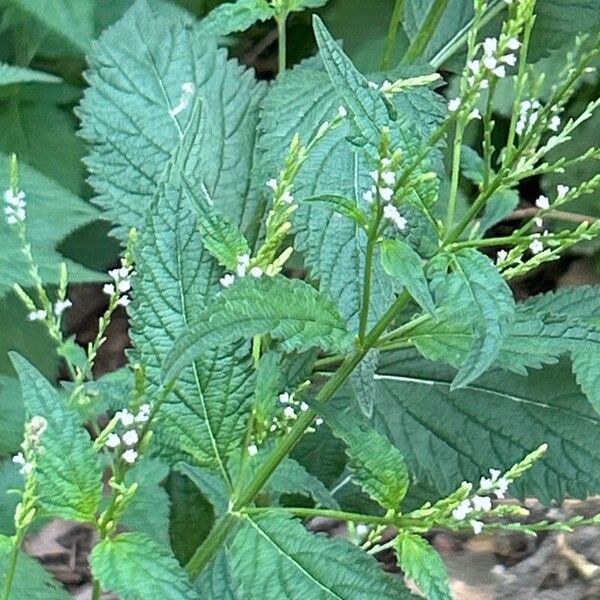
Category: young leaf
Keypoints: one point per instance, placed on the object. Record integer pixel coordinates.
(341, 205)
(377, 466)
(134, 566)
(424, 565)
(476, 285)
(289, 310)
(31, 580)
(400, 261)
(274, 556)
(501, 418)
(10, 74)
(237, 16)
(68, 471)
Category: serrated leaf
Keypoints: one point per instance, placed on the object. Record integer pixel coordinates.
(45, 200)
(500, 419)
(10, 480)
(400, 261)
(274, 556)
(217, 580)
(341, 205)
(13, 414)
(362, 382)
(475, 285)
(210, 484)
(136, 568)
(424, 565)
(31, 581)
(377, 466)
(68, 471)
(237, 16)
(11, 74)
(138, 67)
(290, 310)
(582, 302)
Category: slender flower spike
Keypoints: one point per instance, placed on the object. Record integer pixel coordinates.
(543, 202)
(536, 246)
(130, 456)
(112, 441)
(130, 438)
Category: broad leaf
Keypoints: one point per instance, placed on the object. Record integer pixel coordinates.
(217, 580)
(424, 565)
(341, 205)
(13, 413)
(31, 581)
(10, 480)
(475, 286)
(136, 567)
(237, 16)
(289, 310)
(377, 466)
(362, 382)
(68, 471)
(404, 264)
(452, 436)
(581, 302)
(210, 484)
(274, 556)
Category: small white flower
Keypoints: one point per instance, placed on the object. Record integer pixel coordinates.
(501, 487)
(391, 212)
(386, 193)
(129, 456)
(489, 62)
(252, 450)
(108, 289)
(490, 45)
(374, 175)
(303, 406)
(26, 469)
(287, 197)
(227, 280)
(272, 183)
(475, 114)
(500, 71)
(373, 85)
(61, 305)
(124, 301)
(362, 530)
(454, 104)
(256, 272)
(501, 255)
(112, 441)
(244, 259)
(131, 438)
(462, 510)
(484, 84)
(538, 221)
(124, 272)
(520, 127)
(286, 398)
(513, 44)
(38, 425)
(18, 459)
(554, 123)
(388, 177)
(143, 414)
(125, 417)
(114, 274)
(124, 286)
(543, 202)
(369, 196)
(482, 503)
(477, 526)
(386, 86)
(342, 112)
(495, 473)
(289, 412)
(474, 66)
(188, 87)
(318, 421)
(37, 315)
(562, 190)
(15, 200)
(536, 246)
(509, 59)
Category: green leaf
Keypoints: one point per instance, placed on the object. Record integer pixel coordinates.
(220, 236)
(289, 310)
(71, 19)
(10, 480)
(476, 287)
(237, 16)
(11, 74)
(31, 580)
(341, 205)
(148, 511)
(45, 200)
(210, 484)
(400, 261)
(299, 5)
(451, 436)
(581, 302)
(68, 471)
(217, 580)
(423, 565)
(274, 556)
(362, 382)
(138, 67)
(136, 567)
(13, 414)
(377, 466)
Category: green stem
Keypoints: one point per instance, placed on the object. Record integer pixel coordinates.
(222, 529)
(330, 514)
(12, 565)
(419, 44)
(456, 154)
(282, 42)
(329, 360)
(96, 590)
(367, 278)
(400, 332)
(390, 42)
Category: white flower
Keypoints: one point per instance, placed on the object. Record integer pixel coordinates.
(143, 414)
(252, 450)
(256, 272)
(61, 305)
(124, 301)
(124, 286)
(272, 183)
(374, 175)
(554, 123)
(484, 84)
(124, 272)
(513, 44)
(386, 86)
(15, 200)
(38, 425)
(539, 222)
(474, 66)
(362, 530)
(19, 459)
(391, 212)
(318, 421)
(388, 177)
(303, 406)
(287, 197)
(286, 398)
(509, 59)
(490, 45)
(475, 114)
(26, 469)
(501, 255)
(500, 71)
(489, 62)
(131, 438)
(454, 104)
(188, 87)
(227, 280)
(562, 190)
(244, 259)
(386, 193)
(289, 412)
(543, 202)
(108, 289)
(342, 112)
(37, 315)
(112, 441)
(130, 456)
(476, 525)
(536, 246)
(462, 510)
(369, 196)
(125, 417)
(501, 487)
(373, 85)
(481, 503)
